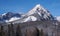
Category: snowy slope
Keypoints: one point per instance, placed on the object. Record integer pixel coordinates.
(12, 19)
(30, 18)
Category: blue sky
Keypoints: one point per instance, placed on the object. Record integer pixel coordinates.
(23, 6)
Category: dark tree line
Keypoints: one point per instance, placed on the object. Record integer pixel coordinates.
(18, 31)
(11, 31)
(29, 32)
(34, 32)
(2, 32)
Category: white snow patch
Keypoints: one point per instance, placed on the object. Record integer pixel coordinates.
(12, 19)
(30, 18)
(33, 18)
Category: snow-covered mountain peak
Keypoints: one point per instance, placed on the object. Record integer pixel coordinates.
(41, 12)
(38, 6)
(36, 9)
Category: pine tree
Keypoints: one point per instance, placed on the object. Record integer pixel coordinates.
(41, 32)
(37, 31)
(18, 31)
(8, 30)
(11, 30)
(1, 31)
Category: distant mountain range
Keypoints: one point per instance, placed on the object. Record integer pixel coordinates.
(7, 17)
(38, 13)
